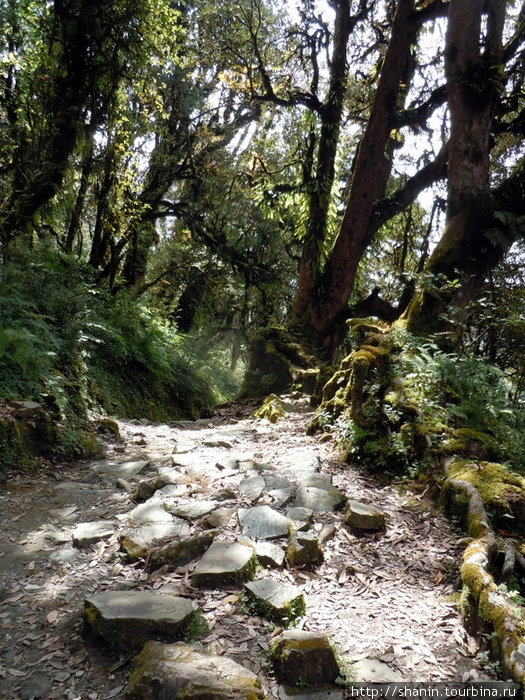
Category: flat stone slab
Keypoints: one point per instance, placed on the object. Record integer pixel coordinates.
(85, 534)
(183, 460)
(269, 554)
(52, 534)
(64, 556)
(301, 516)
(225, 564)
(173, 491)
(178, 671)
(194, 510)
(364, 517)
(273, 482)
(119, 469)
(128, 619)
(218, 441)
(227, 463)
(320, 481)
(301, 466)
(170, 475)
(136, 541)
(206, 471)
(263, 523)
(174, 554)
(151, 511)
(278, 602)
(374, 671)
(218, 518)
(183, 446)
(252, 487)
(304, 660)
(319, 500)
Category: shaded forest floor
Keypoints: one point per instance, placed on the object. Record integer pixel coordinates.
(386, 599)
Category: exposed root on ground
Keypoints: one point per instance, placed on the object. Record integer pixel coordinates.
(483, 600)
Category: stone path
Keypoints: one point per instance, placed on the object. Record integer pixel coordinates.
(162, 539)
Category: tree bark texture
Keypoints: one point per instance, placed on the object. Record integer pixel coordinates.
(466, 248)
(329, 297)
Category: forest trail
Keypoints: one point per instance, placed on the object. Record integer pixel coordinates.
(385, 599)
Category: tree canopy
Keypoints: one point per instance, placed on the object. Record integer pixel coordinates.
(250, 164)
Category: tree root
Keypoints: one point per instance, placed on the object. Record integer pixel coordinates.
(489, 603)
(509, 561)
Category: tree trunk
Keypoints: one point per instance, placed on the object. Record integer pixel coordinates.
(466, 249)
(322, 184)
(328, 299)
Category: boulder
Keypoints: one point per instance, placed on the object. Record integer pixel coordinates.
(278, 602)
(304, 660)
(225, 564)
(362, 516)
(128, 619)
(176, 671)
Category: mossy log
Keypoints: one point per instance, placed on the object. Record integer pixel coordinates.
(489, 603)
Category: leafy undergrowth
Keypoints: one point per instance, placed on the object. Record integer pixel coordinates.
(403, 407)
(70, 345)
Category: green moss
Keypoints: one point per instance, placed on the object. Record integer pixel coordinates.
(272, 409)
(471, 443)
(109, 426)
(502, 491)
(363, 325)
(285, 616)
(197, 627)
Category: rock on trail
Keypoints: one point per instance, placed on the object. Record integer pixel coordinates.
(192, 541)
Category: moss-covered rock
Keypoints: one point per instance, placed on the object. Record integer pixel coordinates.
(304, 550)
(128, 619)
(107, 425)
(272, 409)
(278, 602)
(27, 432)
(225, 564)
(177, 671)
(304, 660)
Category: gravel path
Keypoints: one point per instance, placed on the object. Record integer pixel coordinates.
(387, 600)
